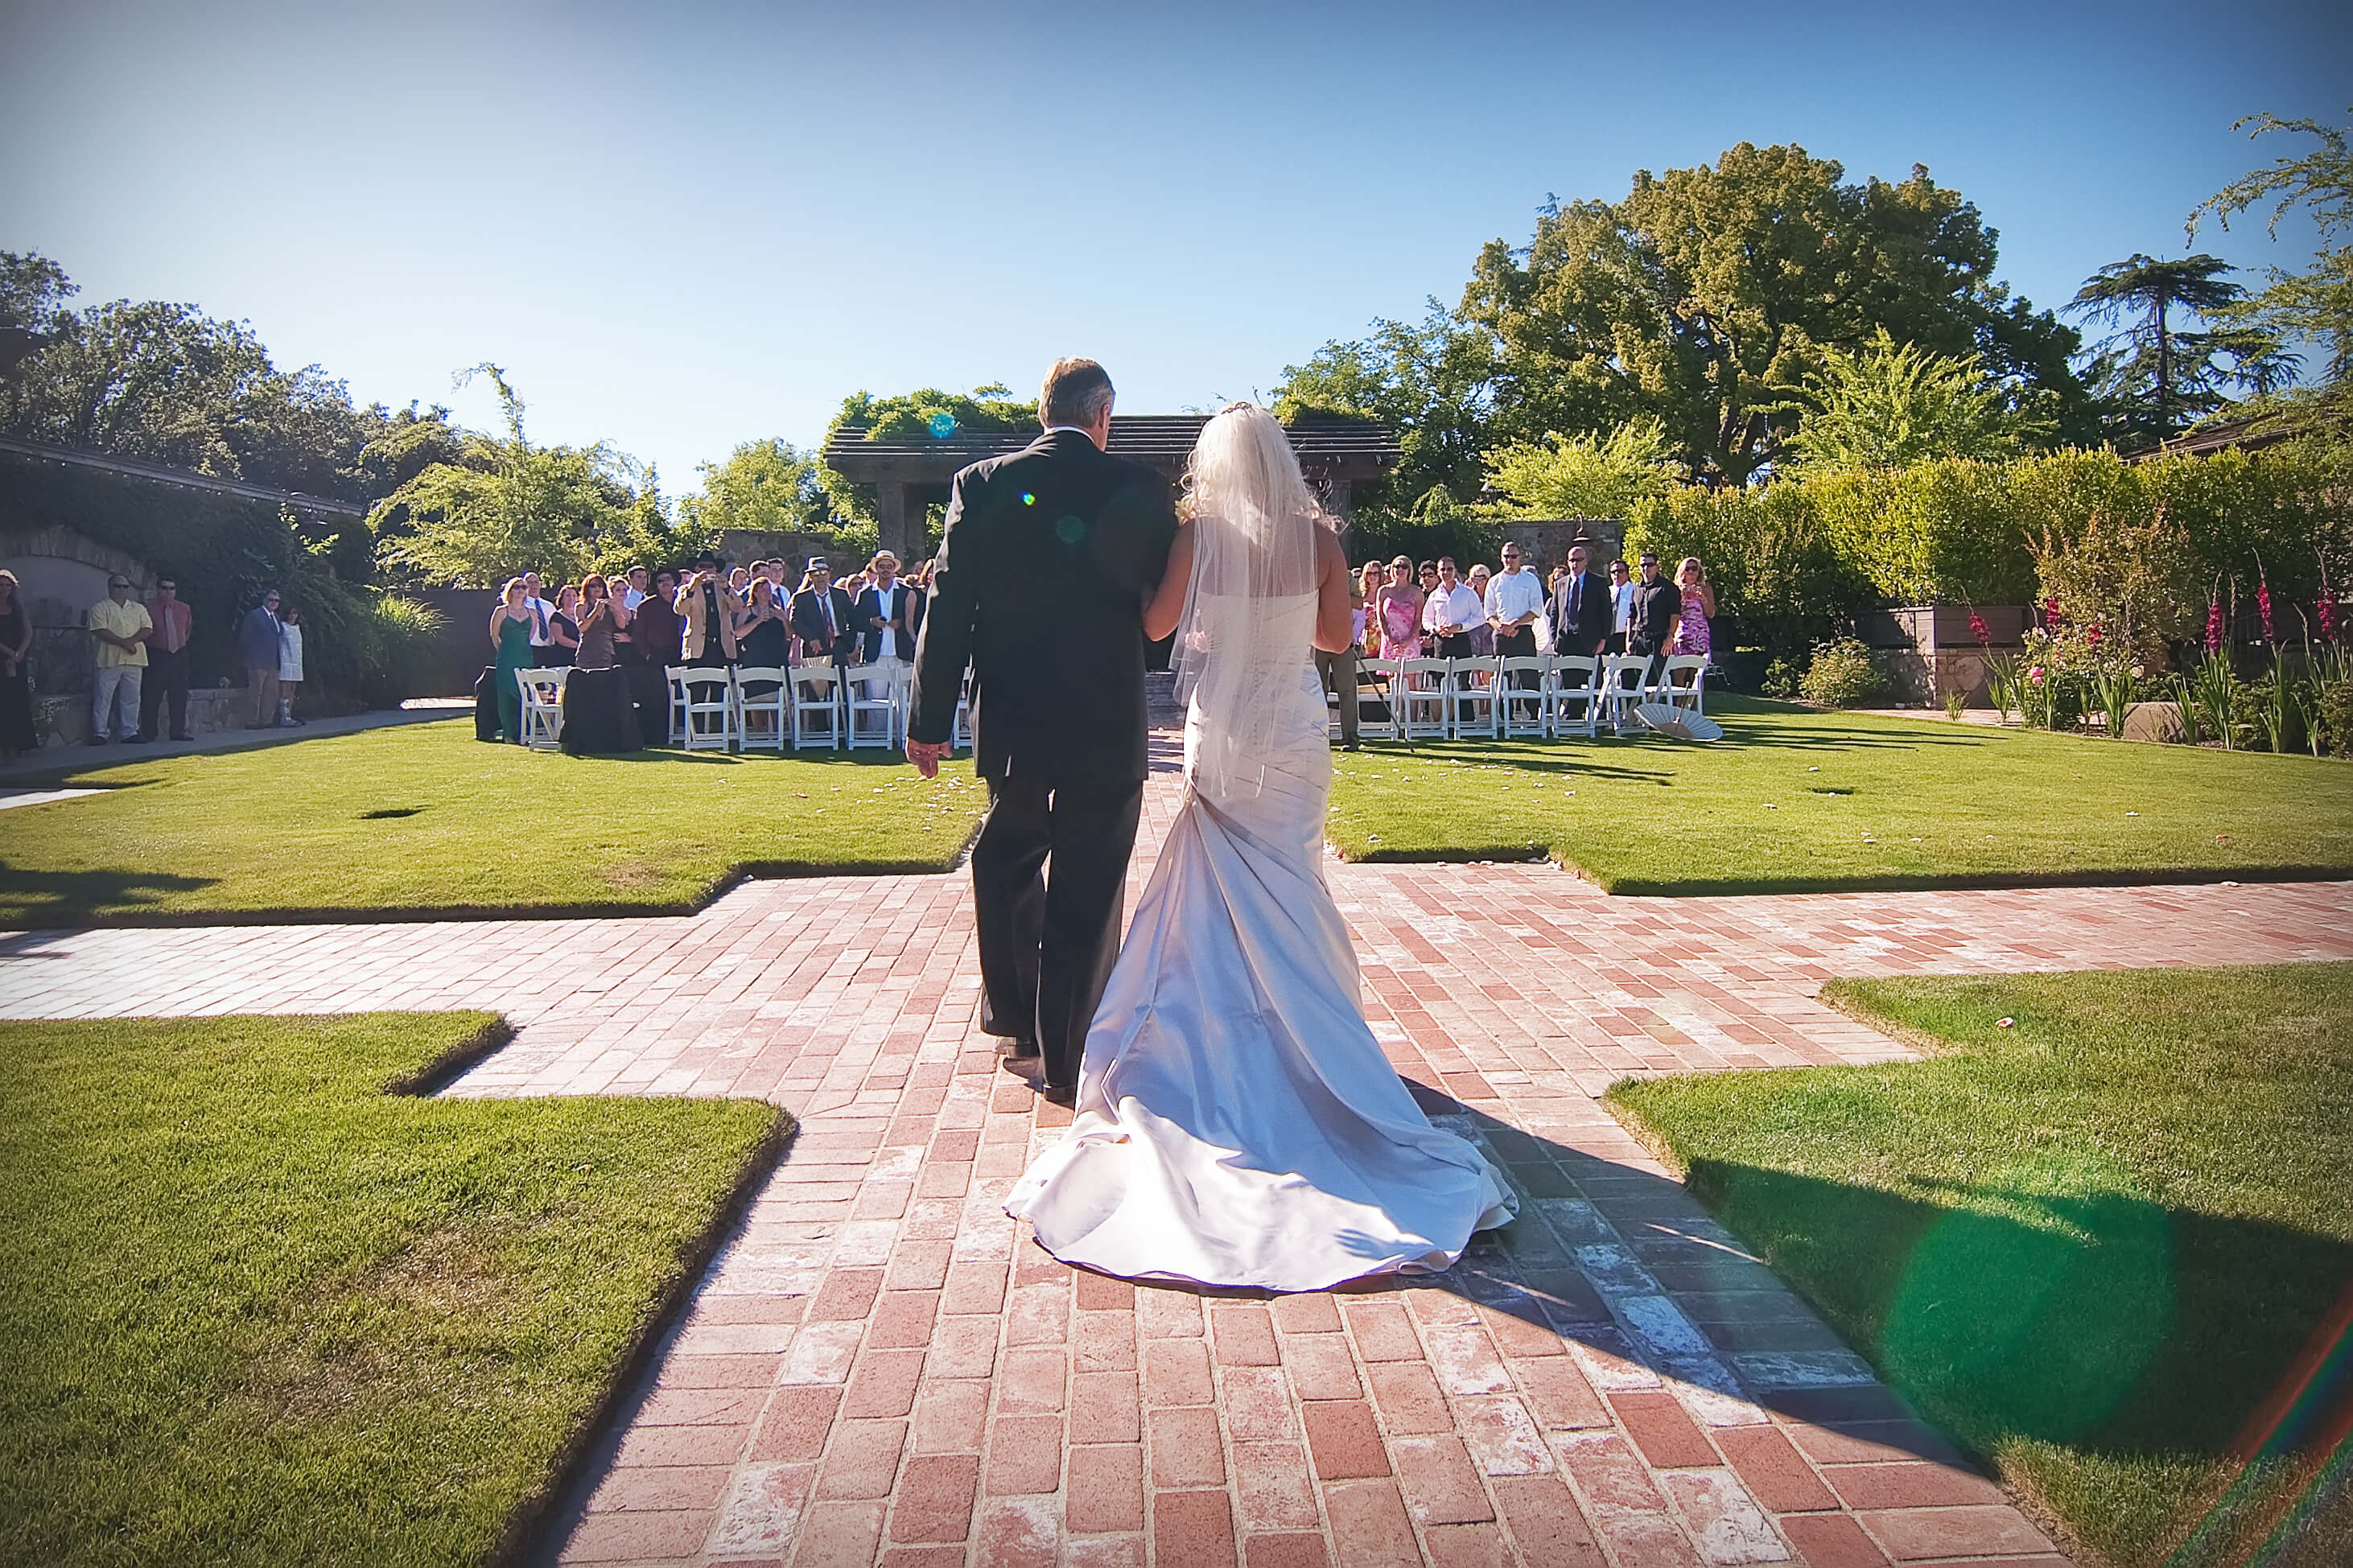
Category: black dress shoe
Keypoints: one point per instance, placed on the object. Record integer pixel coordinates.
(1020, 1047)
(1059, 1093)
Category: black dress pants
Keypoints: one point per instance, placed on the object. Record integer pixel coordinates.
(1049, 936)
(165, 689)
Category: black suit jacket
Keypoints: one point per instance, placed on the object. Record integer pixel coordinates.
(1585, 635)
(1042, 573)
(870, 609)
(808, 625)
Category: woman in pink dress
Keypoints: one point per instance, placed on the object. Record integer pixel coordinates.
(1399, 604)
(1691, 633)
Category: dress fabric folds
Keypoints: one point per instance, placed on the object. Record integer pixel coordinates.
(1236, 1122)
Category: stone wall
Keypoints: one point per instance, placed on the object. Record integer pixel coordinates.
(60, 575)
(1929, 652)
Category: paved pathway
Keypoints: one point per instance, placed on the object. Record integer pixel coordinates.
(880, 1366)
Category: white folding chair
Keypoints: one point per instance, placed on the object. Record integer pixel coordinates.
(1426, 686)
(1520, 687)
(710, 711)
(1380, 676)
(817, 706)
(763, 707)
(677, 676)
(960, 725)
(903, 703)
(543, 707)
(1574, 696)
(1686, 695)
(1471, 708)
(868, 689)
(1625, 685)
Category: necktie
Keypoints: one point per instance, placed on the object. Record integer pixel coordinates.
(1576, 587)
(831, 630)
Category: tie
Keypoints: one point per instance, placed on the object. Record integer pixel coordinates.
(1576, 587)
(831, 630)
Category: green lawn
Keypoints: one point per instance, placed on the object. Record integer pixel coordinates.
(422, 820)
(2088, 1245)
(1796, 800)
(258, 1310)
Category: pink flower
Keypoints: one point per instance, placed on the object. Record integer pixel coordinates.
(2214, 625)
(2264, 606)
(1977, 628)
(2035, 675)
(2050, 610)
(2091, 638)
(2328, 617)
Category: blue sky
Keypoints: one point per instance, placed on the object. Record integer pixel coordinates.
(681, 227)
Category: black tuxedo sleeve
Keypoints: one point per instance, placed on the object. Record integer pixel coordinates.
(945, 646)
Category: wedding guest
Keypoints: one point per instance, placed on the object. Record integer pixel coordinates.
(603, 622)
(880, 615)
(762, 628)
(1581, 608)
(563, 629)
(290, 663)
(635, 593)
(120, 629)
(1621, 605)
(509, 628)
(707, 618)
(542, 612)
(1482, 636)
(1398, 609)
(822, 617)
(1515, 600)
(1337, 671)
(739, 584)
(919, 590)
(17, 735)
(258, 643)
(166, 681)
(1695, 607)
(599, 708)
(1655, 609)
(1451, 611)
(655, 630)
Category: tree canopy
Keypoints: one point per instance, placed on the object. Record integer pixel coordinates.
(2316, 303)
(1890, 403)
(2158, 379)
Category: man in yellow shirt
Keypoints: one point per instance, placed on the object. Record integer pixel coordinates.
(122, 626)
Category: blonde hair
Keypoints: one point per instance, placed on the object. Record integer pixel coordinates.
(1691, 563)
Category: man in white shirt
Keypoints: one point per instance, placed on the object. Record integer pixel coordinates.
(635, 589)
(1621, 605)
(1452, 611)
(881, 620)
(1515, 598)
(541, 613)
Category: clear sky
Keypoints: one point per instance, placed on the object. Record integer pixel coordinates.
(683, 225)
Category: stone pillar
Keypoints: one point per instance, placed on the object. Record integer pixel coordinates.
(891, 517)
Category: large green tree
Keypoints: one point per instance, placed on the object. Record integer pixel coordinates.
(771, 486)
(2315, 304)
(1706, 296)
(1426, 381)
(1887, 404)
(2157, 377)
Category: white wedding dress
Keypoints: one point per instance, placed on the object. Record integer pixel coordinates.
(1236, 1122)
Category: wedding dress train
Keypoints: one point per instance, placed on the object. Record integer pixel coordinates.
(1236, 1122)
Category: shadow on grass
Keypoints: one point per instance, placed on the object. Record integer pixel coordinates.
(36, 898)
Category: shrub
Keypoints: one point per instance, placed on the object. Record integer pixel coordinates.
(1942, 529)
(2336, 716)
(1843, 675)
(1779, 579)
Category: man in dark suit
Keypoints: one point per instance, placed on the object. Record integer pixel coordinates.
(1580, 608)
(823, 617)
(1047, 558)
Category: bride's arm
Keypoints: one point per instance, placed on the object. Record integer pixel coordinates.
(1336, 622)
(1166, 606)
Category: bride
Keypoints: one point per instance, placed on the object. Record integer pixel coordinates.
(1236, 1123)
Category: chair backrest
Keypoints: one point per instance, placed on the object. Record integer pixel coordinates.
(694, 675)
(765, 676)
(543, 686)
(1628, 672)
(1525, 664)
(1566, 665)
(1438, 669)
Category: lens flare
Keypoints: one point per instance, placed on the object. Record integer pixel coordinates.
(943, 425)
(1069, 529)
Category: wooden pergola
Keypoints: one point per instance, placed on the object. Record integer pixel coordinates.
(910, 473)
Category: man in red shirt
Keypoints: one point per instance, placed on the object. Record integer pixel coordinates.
(167, 661)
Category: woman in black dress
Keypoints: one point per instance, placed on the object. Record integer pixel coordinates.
(598, 716)
(17, 732)
(563, 629)
(761, 628)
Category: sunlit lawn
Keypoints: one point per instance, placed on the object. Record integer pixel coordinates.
(2089, 1244)
(257, 1310)
(423, 819)
(1794, 799)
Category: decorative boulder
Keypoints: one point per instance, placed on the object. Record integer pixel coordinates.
(2154, 721)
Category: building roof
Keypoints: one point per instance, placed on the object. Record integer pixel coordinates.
(2246, 435)
(163, 473)
(1330, 447)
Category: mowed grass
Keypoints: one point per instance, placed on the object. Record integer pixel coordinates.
(2090, 1245)
(257, 1311)
(422, 820)
(1796, 800)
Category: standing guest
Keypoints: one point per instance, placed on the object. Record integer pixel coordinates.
(822, 617)
(1449, 613)
(1398, 609)
(564, 629)
(602, 623)
(1369, 578)
(1621, 605)
(1482, 636)
(1657, 605)
(761, 629)
(1515, 599)
(707, 633)
(655, 630)
(1582, 608)
(635, 593)
(599, 714)
(1695, 607)
(166, 681)
(260, 642)
(739, 584)
(511, 623)
(882, 615)
(120, 626)
(543, 614)
(919, 599)
(18, 735)
(290, 663)
(1337, 671)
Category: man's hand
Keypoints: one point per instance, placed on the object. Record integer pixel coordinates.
(927, 756)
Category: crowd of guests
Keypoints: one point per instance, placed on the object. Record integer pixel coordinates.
(643, 622)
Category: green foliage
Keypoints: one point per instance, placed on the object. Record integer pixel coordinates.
(1706, 296)
(1583, 476)
(1781, 584)
(2125, 586)
(263, 1311)
(2157, 379)
(1889, 405)
(1941, 530)
(1843, 675)
(2316, 303)
(770, 487)
(911, 415)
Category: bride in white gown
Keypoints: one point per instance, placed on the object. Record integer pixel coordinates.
(1236, 1123)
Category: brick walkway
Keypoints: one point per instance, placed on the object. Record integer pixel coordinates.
(879, 1367)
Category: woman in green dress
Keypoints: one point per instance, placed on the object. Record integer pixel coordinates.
(511, 634)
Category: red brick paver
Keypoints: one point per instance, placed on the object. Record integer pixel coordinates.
(879, 1367)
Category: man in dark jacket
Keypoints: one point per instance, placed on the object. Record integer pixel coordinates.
(1047, 558)
(259, 640)
(1580, 608)
(824, 619)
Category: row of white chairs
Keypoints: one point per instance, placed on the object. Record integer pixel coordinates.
(1541, 696)
(833, 707)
